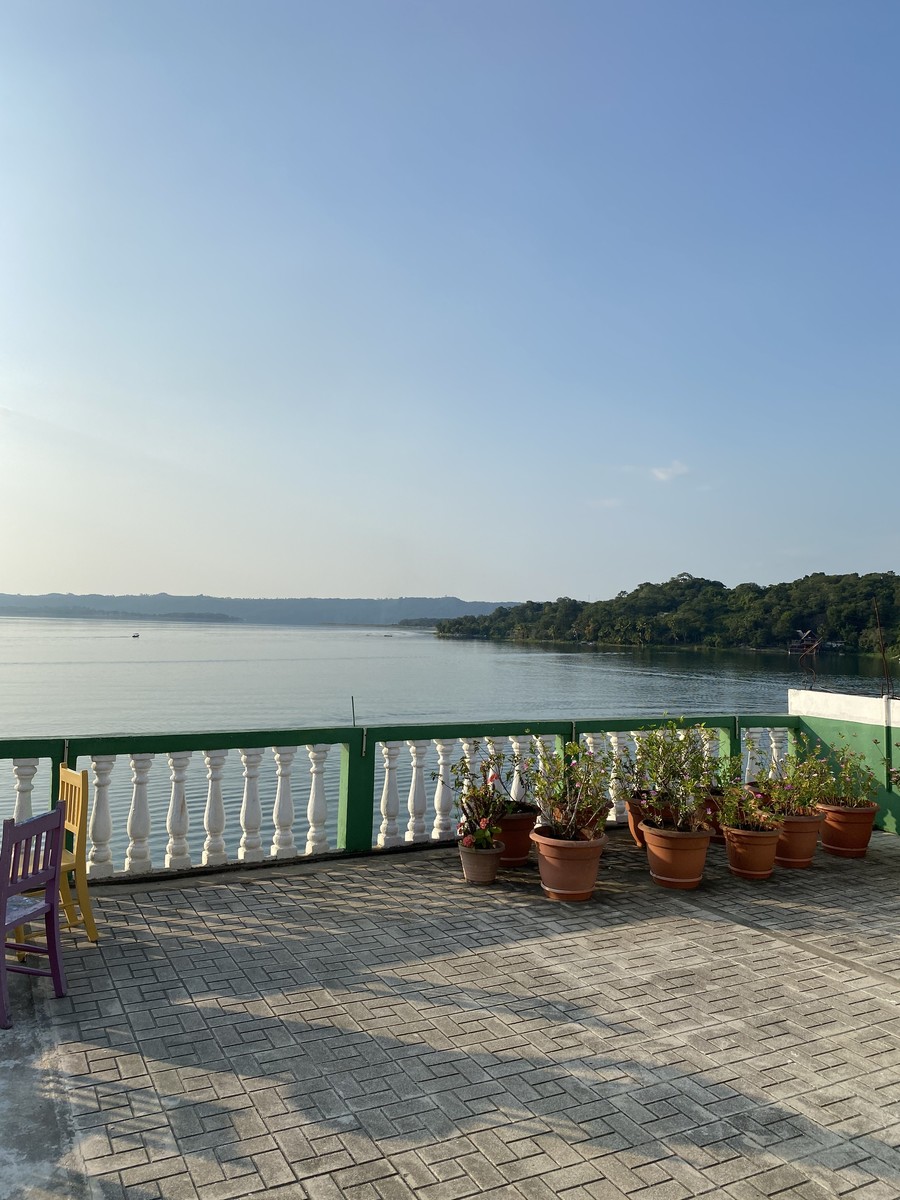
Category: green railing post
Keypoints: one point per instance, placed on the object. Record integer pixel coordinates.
(356, 804)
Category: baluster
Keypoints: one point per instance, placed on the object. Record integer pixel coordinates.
(443, 827)
(389, 834)
(250, 846)
(521, 747)
(778, 740)
(621, 749)
(214, 854)
(317, 809)
(283, 815)
(100, 863)
(24, 770)
(178, 857)
(137, 856)
(417, 801)
(757, 766)
(597, 745)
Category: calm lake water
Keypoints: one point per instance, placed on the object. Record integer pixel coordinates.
(74, 678)
(65, 678)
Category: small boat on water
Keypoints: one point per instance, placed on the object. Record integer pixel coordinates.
(135, 635)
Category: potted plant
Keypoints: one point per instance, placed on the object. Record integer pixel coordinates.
(792, 795)
(848, 809)
(479, 806)
(573, 791)
(751, 833)
(674, 769)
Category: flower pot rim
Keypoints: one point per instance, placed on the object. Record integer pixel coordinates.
(726, 829)
(666, 831)
(834, 806)
(497, 848)
(555, 841)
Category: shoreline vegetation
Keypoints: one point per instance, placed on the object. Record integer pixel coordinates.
(817, 612)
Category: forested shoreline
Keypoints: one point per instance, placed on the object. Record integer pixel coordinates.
(836, 612)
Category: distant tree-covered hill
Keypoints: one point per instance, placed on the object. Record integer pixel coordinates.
(686, 611)
(306, 611)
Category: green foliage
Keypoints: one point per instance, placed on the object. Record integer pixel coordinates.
(573, 790)
(483, 789)
(687, 611)
(674, 773)
(741, 808)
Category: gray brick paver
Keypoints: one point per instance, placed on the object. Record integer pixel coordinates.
(453, 1015)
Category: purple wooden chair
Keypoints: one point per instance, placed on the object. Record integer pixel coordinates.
(30, 858)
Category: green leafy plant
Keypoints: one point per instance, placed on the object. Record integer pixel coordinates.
(483, 791)
(573, 790)
(798, 782)
(855, 784)
(674, 772)
(744, 808)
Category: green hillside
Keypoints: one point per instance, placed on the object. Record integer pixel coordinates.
(838, 610)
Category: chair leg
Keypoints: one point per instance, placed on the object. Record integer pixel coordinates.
(84, 903)
(19, 936)
(54, 949)
(5, 1016)
(65, 894)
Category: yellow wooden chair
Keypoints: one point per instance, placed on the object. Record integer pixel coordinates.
(73, 788)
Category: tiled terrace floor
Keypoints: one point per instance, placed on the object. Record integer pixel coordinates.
(377, 1030)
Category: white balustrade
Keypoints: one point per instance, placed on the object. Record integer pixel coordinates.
(778, 741)
(417, 801)
(100, 864)
(283, 815)
(137, 856)
(444, 826)
(521, 749)
(622, 750)
(214, 854)
(250, 846)
(757, 755)
(178, 856)
(317, 810)
(389, 833)
(24, 770)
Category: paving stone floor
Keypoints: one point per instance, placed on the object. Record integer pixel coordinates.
(376, 1029)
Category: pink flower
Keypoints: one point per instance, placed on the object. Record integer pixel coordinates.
(483, 823)
(493, 777)
(468, 840)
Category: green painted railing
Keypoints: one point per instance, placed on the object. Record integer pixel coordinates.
(156, 807)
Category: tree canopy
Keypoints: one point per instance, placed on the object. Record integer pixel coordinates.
(836, 610)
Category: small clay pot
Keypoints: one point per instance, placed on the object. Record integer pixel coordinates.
(568, 869)
(676, 858)
(515, 829)
(751, 852)
(480, 866)
(797, 841)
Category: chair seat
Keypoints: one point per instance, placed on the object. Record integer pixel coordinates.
(21, 909)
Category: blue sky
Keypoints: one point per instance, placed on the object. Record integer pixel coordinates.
(501, 299)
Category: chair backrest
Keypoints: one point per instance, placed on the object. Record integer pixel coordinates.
(73, 791)
(30, 854)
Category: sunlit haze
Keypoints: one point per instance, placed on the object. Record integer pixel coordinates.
(490, 298)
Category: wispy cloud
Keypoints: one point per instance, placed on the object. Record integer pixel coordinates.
(667, 474)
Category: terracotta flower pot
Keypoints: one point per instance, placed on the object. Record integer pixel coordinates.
(751, 852)
(846, 831)
(797, 840)
(676, 858)
(480, 866)
(712, 800)
(515, 829)
(635, 812)
(568, 869)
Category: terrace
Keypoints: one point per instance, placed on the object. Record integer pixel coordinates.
(371, 1027)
